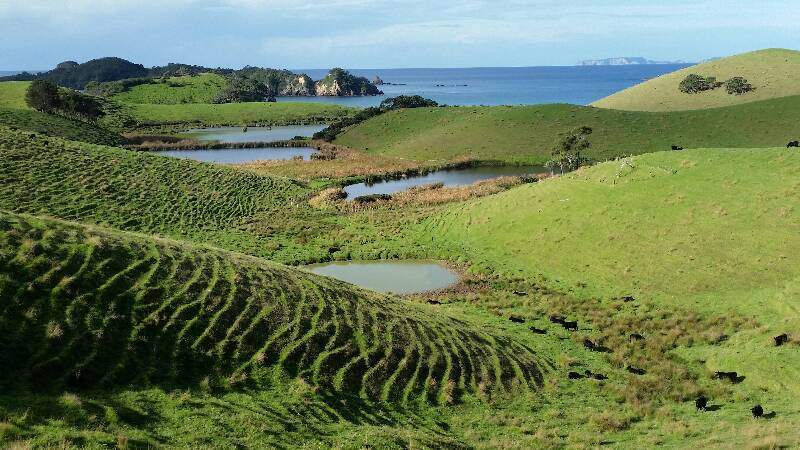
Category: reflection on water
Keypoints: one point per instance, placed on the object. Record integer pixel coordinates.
(450, 178)
(399, 277)
(241, 155)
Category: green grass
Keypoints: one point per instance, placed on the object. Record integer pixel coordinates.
(773, 72)
(176, 90)
(57, 126)
(526, 134)
(235, 114)
(12, 94)
(708, 231)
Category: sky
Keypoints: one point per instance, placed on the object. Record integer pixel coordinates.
(304, 34)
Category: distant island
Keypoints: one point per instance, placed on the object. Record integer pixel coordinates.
(625, 61)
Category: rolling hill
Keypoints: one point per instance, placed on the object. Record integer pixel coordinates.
(773, 73)
(526, 134)
(86, 307)
(710, 231)
(201, 88)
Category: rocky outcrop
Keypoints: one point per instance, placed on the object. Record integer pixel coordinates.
(341, 83)
(300, 85)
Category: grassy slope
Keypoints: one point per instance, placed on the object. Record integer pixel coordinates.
(85, 307)
(773, 72)
(154, 194)
(236, 114)
(527, 133)
(710, 231)
(12, 94)
(15, 113)
(176, 90)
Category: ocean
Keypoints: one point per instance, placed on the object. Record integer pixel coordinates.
(502, 85)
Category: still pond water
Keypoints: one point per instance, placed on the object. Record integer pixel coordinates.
(450, 178)
(398, 277)
(231, 135)
(241, 155)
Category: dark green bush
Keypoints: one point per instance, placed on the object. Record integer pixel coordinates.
(738, 86)
(695, 83)
(243, 89)
(42, 95)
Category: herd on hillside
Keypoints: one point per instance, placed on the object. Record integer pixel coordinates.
(701, 402)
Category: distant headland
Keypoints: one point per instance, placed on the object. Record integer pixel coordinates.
(626, 61)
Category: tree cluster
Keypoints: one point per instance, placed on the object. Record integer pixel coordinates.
(243, 89)
(695, 83)
(399, 102)
(45, 96)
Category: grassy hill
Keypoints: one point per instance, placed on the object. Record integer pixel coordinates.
(176, 90)
(87, 307)
(12, 94)
(773, 72)
(234, 114)
(154, 194)
(527, 133)
(712, 232)
(57, 126)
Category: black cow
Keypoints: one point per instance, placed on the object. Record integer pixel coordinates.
(571, 326)
(589, 344)
(700, 403)
(434, 302)
(557, 319)
(733, 377)
(538, 330)
(793, 144)
(635, 370)
(636, 337)
(757, 411)
(677, 147)
(780, 340)
(595, 376)
(520, 293)
(628, 298)
(516, 319)
(574, 376)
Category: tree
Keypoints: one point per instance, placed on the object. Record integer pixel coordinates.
(80, 106)
(738, 86)
(567, 152)
(407, 101)
(42, 95)
(695, 83)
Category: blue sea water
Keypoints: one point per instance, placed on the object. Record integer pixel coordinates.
(500, 85)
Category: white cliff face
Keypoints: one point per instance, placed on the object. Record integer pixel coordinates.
(332, 88)
(302, 85)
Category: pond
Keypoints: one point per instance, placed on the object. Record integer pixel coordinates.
(241, 155)
(398, 277)
(254, 134)
(450, 178)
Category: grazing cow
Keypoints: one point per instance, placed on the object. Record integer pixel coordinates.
(589, 344)
(677, 147)
(574, 376)
(793, 144)
(757, 411)
(595, 376)
(557, 319)
(733, 377)
(628, 298)
(571, 326)
(434, 302)
(636, 337)
(780, 340)
(538, 330)
(520, 293)
(700, 403)
(635, 370)
(516, 319)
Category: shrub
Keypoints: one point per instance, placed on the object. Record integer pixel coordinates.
(401, 101)
(42, 95)
(695, 83)
(738, 86)
(407, 101)
(80, 106)
(567, 152)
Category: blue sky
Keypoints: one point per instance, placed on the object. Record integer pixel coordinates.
(37, 34)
